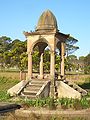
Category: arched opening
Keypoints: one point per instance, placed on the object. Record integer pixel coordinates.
(61, 52)
(41, 59)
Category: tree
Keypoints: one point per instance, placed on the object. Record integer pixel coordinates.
(4, 49)
(81, 58)
(87, 64)
(70, 62)
(57, 62)
(47, 60)
(70, 48)
(35, 60)
(5, 43)
(18, 54)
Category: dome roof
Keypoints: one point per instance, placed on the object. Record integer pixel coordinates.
(47, 21)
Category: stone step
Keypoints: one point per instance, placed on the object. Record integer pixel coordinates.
(28, 96)
(65, 81)
(40, 81)
(29, 92)
(32, 88)
(84, 93)
(34, 85)
(77, 88)
(29, 88)
(37, 83)
(71, 85)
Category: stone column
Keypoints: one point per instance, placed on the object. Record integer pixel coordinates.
(41, 66)
(52, 74)
(62, 58)
(52, 64)
(29, 66)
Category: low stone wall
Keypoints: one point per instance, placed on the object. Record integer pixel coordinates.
(44, 91)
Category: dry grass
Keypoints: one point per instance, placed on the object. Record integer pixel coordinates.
(78, 78)
(32, 116)
(16, 76)
(12, 75)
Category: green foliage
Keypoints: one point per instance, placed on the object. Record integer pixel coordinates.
(50, 102)
(18, 54)
(87, 70)
(87, 64)
(74, 103)
(5, 84)
(4, 44)
(69, 63)
(13, 53)
(57, 62)
(65, 103)
(47, 60)
(4, 48)
(70, 48)
(4, 96)
(84, 103)
(35, 60)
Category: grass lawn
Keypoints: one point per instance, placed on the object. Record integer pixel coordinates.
(5, 84)
(7, 80)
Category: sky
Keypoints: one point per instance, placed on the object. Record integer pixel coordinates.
(73, 17)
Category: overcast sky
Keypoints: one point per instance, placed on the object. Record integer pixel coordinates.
(73, 17)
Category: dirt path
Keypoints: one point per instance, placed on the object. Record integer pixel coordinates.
(65, 113)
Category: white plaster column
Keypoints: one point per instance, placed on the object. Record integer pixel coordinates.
(52, 64)
(62, 58)
(29, 66)
(41, 66)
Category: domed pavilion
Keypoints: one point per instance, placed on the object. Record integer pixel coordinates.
(43, 85)
(46, 34)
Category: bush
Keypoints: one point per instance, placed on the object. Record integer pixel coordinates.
(87, 70)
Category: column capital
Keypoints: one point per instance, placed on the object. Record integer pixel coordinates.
(52, 52)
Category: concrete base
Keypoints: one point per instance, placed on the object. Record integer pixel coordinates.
(65, 90)
(15, 90)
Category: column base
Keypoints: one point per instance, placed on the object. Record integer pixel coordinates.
(62, 77)
(29, 77)
(40, 77)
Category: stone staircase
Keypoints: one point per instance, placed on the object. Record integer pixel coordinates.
(33, 88)
(75, 87)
